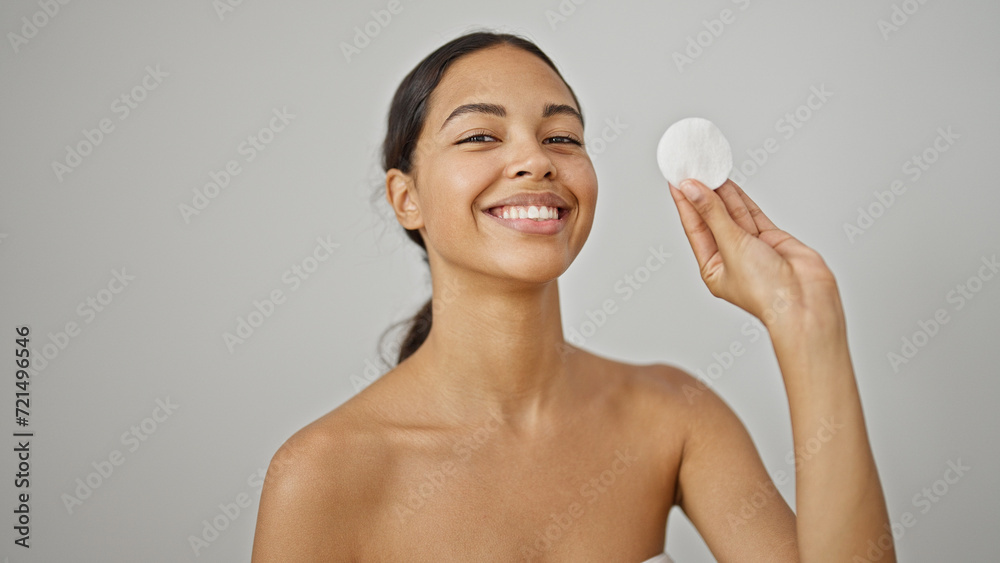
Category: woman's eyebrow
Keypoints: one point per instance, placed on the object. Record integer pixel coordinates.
(561, 109)
(500, 111)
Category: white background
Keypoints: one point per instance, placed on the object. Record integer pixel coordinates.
(62, 236)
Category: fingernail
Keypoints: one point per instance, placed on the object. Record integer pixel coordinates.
(690, 191)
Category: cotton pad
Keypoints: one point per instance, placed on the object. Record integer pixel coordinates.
(695, 148)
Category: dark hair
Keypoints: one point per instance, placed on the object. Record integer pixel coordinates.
(406, 120)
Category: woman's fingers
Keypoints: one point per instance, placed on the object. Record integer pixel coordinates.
(698, 234)
(714, 213)
(737, 206)
(760, 220)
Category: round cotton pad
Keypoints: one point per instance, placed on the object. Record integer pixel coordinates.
(695, 148)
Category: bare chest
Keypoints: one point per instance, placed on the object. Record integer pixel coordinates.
(586, 493)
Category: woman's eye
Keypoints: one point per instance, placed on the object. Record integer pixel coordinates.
(566, 141)
(478, 138)
(486, 138)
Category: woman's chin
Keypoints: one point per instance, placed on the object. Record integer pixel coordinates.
(534, 272)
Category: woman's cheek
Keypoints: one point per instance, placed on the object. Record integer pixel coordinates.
(582, 182)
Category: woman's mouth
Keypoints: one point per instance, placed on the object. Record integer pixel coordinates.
(535, 219)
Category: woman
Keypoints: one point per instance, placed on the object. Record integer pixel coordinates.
(494, 439)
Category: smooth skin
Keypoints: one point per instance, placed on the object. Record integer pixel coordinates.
(499, 441)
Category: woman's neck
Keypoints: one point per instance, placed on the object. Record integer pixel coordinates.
(491, 350)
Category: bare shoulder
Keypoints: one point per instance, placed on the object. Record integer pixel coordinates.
(672, 382)
(669, 399)
(704, 414)
(317, 487)
(719, 469)
(690, 396)
(665, 386)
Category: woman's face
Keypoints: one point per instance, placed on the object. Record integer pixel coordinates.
(516, 151)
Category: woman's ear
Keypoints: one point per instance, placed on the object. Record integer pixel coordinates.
(400, 192)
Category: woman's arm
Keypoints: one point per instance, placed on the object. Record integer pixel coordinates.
(749, 262)
(307, 501)
(839, 498)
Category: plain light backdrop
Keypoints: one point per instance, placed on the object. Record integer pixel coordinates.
(180, 86)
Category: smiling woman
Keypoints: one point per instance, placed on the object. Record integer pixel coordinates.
(494, 439)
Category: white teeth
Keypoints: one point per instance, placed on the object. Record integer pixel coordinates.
(534, 212)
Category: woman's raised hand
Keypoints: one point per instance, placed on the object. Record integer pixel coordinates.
(751, 263)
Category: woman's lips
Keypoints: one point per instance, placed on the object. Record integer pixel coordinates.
(548, 226)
